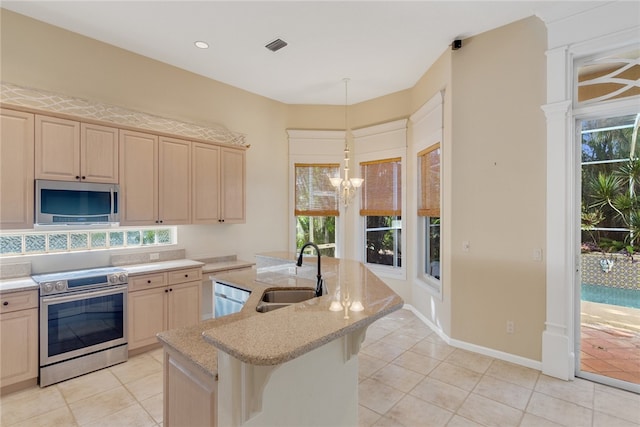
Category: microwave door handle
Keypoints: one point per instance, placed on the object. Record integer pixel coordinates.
(112, 207)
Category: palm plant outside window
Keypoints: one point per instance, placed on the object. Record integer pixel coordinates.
(316, 206)
(611, 185)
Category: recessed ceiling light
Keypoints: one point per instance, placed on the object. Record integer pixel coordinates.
(202, 45)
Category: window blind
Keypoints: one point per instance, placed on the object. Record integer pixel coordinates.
(381, 191)
(314, 195)
(429, 181)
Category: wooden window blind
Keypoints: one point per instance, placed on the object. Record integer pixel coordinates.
(429, 181)
(314, 195)
(381, 191)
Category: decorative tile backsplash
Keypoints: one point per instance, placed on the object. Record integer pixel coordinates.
(82, 108)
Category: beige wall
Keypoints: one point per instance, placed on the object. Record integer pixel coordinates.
(38, 55)
(498, 188)
(493, 159)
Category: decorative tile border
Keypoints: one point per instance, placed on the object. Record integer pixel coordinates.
(81, 108)
(623, 274)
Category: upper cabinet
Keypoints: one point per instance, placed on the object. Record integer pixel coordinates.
(174, 181)
(218, 184)
(66, 150)
(138, 178)
(16, 169)
(232, 185)
(155, 179)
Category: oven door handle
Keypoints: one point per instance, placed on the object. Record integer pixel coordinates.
(84, 295)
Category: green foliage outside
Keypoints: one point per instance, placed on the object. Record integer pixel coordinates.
(610, 192)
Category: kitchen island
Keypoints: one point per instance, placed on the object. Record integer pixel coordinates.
(293, 366)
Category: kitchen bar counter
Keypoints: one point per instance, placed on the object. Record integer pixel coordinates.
(281, 335)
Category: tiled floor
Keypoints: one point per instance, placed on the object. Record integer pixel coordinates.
(408, 377)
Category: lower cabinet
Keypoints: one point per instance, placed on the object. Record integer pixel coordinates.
(161, 301)
(18, 337)
(190, 395)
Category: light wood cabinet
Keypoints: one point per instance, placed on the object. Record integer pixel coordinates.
(190, 395)
(218, 184)
(16, 169)
(138, 178)
(174, 181)
(155, 178)
(18, 337)
(67, 150)
(162, 301)
(99, 153)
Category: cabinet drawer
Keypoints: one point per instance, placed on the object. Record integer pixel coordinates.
(18, 301)
(147, 281)
(186, 275)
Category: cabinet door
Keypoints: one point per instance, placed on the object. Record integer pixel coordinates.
(232, 185)
(98, 153)
(184, 304)
(16, 169)
(174, 181)
(138, 178)
(57, 148)
(146, 311)
(206, 183)
(18, 346)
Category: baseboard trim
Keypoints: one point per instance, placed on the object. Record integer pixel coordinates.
(496, 354)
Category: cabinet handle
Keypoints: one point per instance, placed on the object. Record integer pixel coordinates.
(5, 303)
(166, 290)
(78, 177)
(84, 177)
(149, 281)
(170, 289)
(186, 275)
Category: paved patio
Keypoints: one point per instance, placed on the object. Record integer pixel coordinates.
(610, 341)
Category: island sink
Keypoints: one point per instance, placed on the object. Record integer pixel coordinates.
(276, 298)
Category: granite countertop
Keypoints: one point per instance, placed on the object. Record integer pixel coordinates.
(281, 335)
(215, 266)
(152, 267)
(17, 284)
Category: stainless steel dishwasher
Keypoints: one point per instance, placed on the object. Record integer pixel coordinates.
(228, 299)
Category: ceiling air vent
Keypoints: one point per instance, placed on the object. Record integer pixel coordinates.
(276, 45)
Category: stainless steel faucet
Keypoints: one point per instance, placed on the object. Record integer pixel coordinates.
(319, 281)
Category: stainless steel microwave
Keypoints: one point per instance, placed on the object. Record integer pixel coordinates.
(67, 203)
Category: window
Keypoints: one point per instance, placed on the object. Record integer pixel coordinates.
(35, 243)
(429, 209)
(316, 206)
(381, 207)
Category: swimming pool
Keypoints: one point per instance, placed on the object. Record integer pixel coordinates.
(613, 296)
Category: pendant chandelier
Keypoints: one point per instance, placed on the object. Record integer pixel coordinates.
(346, 186)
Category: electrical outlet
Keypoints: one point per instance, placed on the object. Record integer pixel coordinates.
(154, 256)
(510, 326)
(293, 270)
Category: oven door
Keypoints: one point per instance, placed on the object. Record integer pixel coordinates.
(76, 324)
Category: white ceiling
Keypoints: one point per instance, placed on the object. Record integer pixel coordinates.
(382, 46)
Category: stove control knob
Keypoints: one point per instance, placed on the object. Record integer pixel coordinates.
(123, 278)
(47, 287)
(113, 278)
(60, 286)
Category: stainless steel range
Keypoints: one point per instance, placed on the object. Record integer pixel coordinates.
(83, 322)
